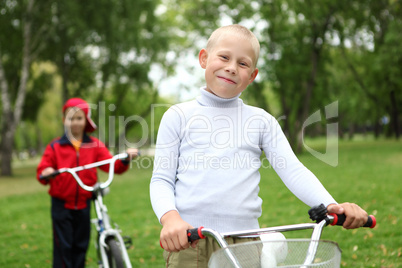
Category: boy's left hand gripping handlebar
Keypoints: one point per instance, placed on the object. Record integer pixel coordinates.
(319, 213)
(339, 219)
(192, 235)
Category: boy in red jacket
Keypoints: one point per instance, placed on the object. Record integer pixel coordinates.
(70, 203)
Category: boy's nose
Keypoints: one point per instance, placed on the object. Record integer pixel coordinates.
(231, 68)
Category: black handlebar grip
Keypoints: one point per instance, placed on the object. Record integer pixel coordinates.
(339, 219)
(195, 234)
(54, 174)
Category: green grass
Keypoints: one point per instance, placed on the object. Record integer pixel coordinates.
(368, 173)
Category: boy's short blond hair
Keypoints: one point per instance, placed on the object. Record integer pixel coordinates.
(237, 30)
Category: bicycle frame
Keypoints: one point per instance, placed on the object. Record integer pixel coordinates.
(105, 230)
(102, 222)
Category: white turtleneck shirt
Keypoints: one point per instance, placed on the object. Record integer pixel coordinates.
(207, 163)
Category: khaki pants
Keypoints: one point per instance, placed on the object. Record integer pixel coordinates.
(198, 257)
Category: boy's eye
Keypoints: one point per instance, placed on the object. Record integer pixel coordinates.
(225, 57)
(75, 118)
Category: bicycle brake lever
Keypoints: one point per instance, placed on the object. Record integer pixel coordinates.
(319, 213)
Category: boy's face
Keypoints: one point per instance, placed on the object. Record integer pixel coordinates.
(75, 121)
(229, 66)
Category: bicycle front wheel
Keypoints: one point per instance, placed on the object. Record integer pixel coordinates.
(114, 254)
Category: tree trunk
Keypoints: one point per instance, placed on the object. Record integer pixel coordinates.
(394, 115)
(351, 131)
(306, 105)
(39, 148)
(6, 145)
(319, 33)
(11, 118)
(64, 76)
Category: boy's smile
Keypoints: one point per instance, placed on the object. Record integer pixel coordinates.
(229, 66)
(227, 80)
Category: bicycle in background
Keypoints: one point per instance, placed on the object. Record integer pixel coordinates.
(110, 245)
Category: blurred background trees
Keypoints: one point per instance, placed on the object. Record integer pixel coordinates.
(313, 53)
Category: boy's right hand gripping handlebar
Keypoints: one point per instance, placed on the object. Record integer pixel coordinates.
(192, 235)
(195, 234)
(319, 213)
(47, 177)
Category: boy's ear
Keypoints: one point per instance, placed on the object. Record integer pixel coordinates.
(253, 75)
(202, 57)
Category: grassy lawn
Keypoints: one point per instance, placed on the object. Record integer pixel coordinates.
(368, 173)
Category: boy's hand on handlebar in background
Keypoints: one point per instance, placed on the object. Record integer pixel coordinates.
(355, 216)
(174, 232)
(47, 171)
(132, 153)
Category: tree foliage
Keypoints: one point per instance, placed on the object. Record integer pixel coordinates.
(102, 50)
(312, 54)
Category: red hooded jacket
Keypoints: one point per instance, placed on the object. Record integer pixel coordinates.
(60, 153)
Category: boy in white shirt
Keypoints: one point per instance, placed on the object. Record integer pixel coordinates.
(207, 160)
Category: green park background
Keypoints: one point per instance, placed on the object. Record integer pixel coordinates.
(338, 61)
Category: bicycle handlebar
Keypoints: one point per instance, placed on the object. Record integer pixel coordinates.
(333, 219)
(73, 172)
(318, 214)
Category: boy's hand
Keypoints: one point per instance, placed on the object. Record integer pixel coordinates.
(47, 171)
(355, 216)
(132, 153)
(174, 232)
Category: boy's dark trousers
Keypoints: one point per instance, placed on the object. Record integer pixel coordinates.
(71, 232)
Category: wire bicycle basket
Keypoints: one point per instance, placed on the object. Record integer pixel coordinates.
(278, 253)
